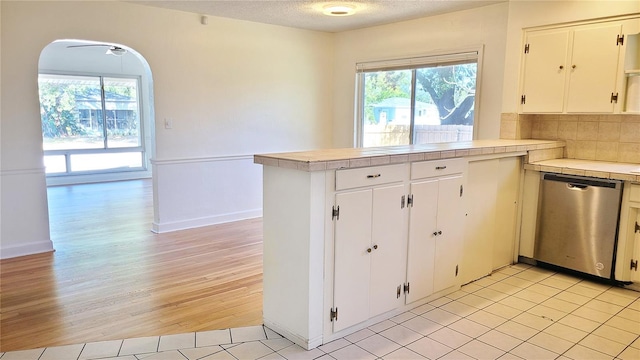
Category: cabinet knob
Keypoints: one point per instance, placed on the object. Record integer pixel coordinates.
(573, 66)
(439, 232)
(561, 67)
(375, 247)
(435, 233)
(369, 250)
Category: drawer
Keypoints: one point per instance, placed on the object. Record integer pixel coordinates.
(426, 169)
(369, 176)
(634, 193)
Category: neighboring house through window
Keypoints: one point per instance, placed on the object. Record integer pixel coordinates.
(418, 100)
(91, 124)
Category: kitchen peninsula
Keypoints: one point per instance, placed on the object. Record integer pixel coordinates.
(354, 236)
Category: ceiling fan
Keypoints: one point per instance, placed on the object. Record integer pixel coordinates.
(112, 50)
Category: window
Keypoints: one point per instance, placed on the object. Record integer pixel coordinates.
(90, 124)
(418, 100)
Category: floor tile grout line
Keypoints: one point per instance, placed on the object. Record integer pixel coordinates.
(120, 348)
(600, 291)
(538, 331)
(581, 306)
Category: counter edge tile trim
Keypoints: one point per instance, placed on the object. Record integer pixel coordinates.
(394, 156)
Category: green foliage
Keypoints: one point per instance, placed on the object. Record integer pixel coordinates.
(383, 85)
(452, 89)
(58, 110)
(61, 116)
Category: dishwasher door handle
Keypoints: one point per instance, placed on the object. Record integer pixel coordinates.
(579, 187)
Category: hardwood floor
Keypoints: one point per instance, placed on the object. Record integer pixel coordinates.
(112, 278)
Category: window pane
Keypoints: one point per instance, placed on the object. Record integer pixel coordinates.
(445, 99)
(123, 120)
(70, 112)
(106, 161)
(55, 164)
(387, 108)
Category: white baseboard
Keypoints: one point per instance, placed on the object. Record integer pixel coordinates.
(205, 221)
(307, 344)
(31, 248)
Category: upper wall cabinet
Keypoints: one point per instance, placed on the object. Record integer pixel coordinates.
(575, 69)
(545, 71)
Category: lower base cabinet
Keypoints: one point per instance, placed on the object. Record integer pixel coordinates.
(369, 252)
(491, 216)
(628, 249)
(346, 248)
(435, 235)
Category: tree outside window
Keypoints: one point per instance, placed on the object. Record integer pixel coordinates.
(425, 104)
(90, 123)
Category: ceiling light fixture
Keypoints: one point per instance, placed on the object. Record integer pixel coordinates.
(339, 10)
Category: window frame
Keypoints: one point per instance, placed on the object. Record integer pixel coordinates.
(449, 57)
(68, 153)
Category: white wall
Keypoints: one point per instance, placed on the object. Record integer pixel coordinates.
(235, 88)
(232, 88)
(482, 26)
(527, 13)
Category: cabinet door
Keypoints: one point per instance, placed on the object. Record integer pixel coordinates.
(545, 70)
(389, 249)
(635, 274)
(593, 67)
(450, 229)
(352, 261)
(421, 249)
(506, 210)
(481, 192)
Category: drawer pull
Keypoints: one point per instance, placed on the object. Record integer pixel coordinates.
(441, 167)
(373, 176)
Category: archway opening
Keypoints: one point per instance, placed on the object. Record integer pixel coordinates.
(96, 106)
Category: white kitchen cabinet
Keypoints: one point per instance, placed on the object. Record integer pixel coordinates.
(352, 274)
(435, 227)
(450, 228)
(571, 69)
(593, 69)
(529, 215)
(422, 245)
(628, 249)
(491, 202)
(508, 179)
(633, 268)
(320, 280)
(369, 252)
(544, 72)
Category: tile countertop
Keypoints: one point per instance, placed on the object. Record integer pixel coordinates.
(600, 169)
(320, 160)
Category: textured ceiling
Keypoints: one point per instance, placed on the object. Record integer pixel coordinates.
(306, 14)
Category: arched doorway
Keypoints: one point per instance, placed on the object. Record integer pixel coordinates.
(96, 107)
(96, 104)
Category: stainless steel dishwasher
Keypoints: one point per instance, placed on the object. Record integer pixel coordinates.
(578, 222)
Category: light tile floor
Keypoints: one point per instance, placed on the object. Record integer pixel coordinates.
(519, 312)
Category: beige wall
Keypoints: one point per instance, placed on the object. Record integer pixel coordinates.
(233, 88)
(482, 26)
